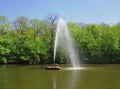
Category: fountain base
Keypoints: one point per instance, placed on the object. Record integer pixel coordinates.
(53, 67)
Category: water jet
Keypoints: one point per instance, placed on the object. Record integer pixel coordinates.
(64, 39)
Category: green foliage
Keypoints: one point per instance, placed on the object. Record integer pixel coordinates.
(30, 41)
(98, 43)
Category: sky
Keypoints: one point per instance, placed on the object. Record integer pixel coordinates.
(85, 11)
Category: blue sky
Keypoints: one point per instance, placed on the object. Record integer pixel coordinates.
(87, 11)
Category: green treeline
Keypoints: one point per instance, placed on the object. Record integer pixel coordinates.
(31, 41)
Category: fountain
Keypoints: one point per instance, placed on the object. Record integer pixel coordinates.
(63, 39)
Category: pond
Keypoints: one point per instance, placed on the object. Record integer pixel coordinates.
(36, 77)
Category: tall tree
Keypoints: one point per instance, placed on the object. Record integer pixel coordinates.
(51, 20)
(21, 25)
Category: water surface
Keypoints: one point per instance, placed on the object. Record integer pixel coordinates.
(36, 77)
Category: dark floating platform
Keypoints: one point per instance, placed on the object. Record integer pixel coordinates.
(53, 67)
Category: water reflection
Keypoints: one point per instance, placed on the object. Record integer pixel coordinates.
(71, 77)
(54, 82)
(31, 77)
(74, 79)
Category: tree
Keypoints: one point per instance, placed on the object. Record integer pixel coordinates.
(21, 25)
(39, 27)
(4, 24)
(51, 25)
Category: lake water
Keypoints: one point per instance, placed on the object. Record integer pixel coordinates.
(36, 77)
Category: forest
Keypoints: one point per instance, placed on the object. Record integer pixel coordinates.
(31, 41)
